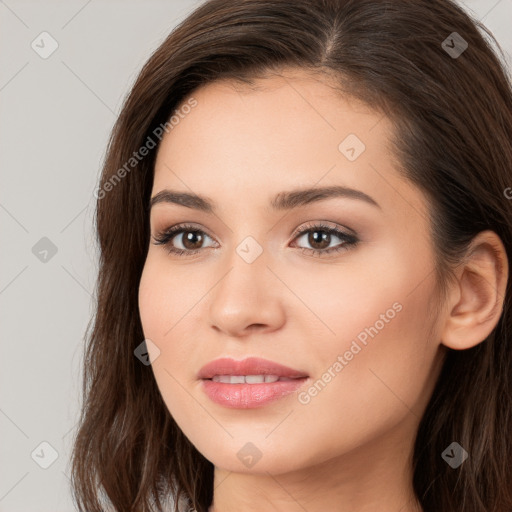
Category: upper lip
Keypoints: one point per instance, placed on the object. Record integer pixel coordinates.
(249, 366)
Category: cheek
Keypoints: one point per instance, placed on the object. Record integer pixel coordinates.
(154, 297)
(157, 302)
(159, 308)
(169, 302)
(166, 293)
(381, 299)
(378, 365)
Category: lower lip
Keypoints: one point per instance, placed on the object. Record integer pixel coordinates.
(249, 396)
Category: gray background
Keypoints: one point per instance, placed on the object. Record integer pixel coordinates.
(56, 117)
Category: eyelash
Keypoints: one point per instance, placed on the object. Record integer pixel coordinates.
(164, 237)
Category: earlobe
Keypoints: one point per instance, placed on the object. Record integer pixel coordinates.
(478, 293)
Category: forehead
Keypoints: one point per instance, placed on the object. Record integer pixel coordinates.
(283, 132)
(290, 107)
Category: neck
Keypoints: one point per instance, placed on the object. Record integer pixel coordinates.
(371, 478)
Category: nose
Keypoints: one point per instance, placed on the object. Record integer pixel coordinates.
(247, 298)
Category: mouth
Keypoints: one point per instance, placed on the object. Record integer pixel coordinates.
(253, 370)
(250, 379)
(250, 383)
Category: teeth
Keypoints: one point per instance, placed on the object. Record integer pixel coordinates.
(247, 379)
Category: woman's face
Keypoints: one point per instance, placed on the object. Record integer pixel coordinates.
(348, 310)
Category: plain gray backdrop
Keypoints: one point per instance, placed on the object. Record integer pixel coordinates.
(57, 112)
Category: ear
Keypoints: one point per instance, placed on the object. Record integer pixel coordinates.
(476, 299)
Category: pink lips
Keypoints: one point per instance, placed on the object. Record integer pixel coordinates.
(245, 395)
(249, 366)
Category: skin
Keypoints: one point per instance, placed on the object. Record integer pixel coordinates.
(351, 444)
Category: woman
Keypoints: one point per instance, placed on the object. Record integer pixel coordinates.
(303, 296)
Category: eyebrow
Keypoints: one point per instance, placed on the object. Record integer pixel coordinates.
(282, 201)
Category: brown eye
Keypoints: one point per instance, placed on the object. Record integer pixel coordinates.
(185, 240)
(191, 239)
(320, 237)
(182, 239)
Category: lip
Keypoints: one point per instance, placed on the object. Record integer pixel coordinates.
(248, 366)
(249, 396)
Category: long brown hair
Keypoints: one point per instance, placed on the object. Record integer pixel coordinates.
(449, 98)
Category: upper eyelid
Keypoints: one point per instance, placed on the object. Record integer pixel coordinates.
(322, 224)
(179, 228)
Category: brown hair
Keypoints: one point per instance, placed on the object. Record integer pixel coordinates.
(453, 119)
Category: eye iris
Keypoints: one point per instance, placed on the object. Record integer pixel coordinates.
(193, 237)
(319, 237)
